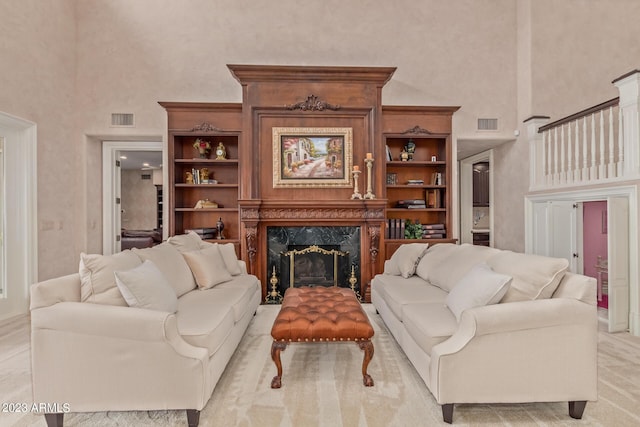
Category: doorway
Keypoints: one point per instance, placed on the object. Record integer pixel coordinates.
(133, 185)
(476, 195)
(554, 227)
(18, 229)
(594, 248)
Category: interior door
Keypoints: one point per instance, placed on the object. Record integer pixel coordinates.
(618, 251)
(563, 237)
(117, 206)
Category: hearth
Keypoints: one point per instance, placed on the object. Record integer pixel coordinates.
(312, 256)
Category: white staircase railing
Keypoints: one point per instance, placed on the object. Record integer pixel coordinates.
(596, 145)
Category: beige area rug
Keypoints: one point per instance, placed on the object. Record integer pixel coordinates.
(322, 386)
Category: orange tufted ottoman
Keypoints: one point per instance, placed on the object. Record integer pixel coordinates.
(321, 315)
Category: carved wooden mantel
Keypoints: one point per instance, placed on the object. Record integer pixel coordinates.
(256, 215)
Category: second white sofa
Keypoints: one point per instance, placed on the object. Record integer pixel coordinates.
(482, 325)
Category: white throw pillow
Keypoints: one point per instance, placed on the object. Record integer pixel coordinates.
(172, 265)
(228, 252)
(480, 286)
(207, 266)
(405, 259)
(98, 285)
(146, 287)
(534, 276)
(186, 242)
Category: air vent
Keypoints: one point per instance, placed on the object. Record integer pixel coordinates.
(146, 176)
(122, 120)
(487, 124)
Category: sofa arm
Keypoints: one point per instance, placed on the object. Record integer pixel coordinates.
(550, 345)
(131, 358)
(110, 321)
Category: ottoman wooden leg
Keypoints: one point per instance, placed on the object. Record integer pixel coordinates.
(276, 348)
(367, 347)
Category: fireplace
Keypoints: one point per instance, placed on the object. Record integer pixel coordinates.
(312, 256)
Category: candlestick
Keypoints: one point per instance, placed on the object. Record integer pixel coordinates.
(369, 156)
(369, 161)
(356, 193)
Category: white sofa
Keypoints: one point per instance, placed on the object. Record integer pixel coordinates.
(156, 338)
(482, 325)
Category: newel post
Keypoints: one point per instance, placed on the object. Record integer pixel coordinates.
(629, 87)
(536, 151)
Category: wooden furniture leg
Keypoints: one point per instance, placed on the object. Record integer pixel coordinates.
(276, 348)
(193, 417)
(367, 347)
(447, 413)
(576, 408)
(55, 419)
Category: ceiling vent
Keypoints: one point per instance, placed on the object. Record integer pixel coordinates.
(122, 120)
(487, 124)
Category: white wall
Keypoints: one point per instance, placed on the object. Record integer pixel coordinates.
(37, 71)
(495, 58)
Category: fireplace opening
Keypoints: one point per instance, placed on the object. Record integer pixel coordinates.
(312, 256)
(314, 265)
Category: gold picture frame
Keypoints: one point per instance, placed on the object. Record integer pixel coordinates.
(309, 157)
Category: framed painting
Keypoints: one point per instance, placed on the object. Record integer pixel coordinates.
(312, 157)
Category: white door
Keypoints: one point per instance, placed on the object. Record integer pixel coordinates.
(563, 236)
(117, 206)
(3, 281)
(618, 251)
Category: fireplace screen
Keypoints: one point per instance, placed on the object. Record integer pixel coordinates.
(315, 266)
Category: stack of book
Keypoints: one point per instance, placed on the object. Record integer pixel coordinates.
(395, 228)
(411, 204)
(204, 233)
(434, 231)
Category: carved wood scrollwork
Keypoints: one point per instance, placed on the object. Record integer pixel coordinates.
(252, 249)
(417, 130)
(374, 242)
(311, 213)
(312, 103)
(206, 127)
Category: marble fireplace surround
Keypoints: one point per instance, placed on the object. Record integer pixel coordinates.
(363, 217)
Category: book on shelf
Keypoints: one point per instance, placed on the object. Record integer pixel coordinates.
(433, 227)
(395, 228)
(411, 203)
(433, 236)
(415, 182)
(389, 157)
(432, 232)
(433, 198)
(437, 178)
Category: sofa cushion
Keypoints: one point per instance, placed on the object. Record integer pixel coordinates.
(144, 286)
(98, 284)
(534, 276)
(480, 286)
(172, 264)
(397, 292)
(203, 321)
(207, 266)
(228, 252)
(405, 259)
(187, 242)
(445, 264)
(429, 324)
(241, 290)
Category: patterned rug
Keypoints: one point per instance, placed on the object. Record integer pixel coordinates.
(322, 386)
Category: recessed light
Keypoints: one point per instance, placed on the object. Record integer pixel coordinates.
(145, 164)
(123, 157)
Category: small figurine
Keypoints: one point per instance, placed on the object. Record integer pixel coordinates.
(188, 177)
(204, 175)
(410, 148)
(203, 147)
(404, 156)
(220, 227)
(221, 151)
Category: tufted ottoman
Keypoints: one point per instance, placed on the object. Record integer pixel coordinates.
(321, 314)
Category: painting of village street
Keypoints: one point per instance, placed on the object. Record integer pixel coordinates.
(312, 157)
(315, 157)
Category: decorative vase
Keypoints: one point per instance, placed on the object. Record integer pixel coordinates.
(220, 227)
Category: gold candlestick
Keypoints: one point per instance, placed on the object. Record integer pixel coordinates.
(369, 161)
(356, 192)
